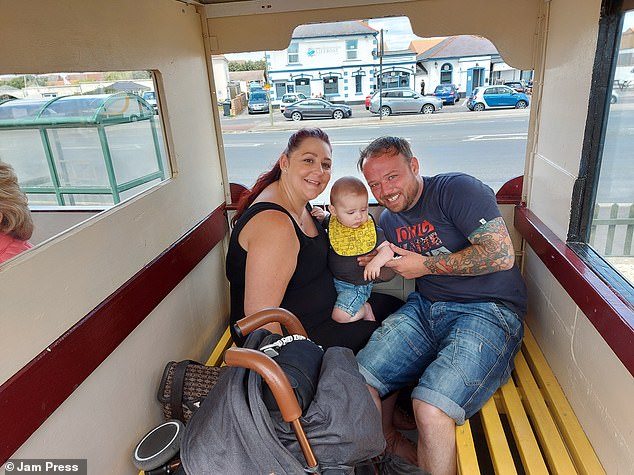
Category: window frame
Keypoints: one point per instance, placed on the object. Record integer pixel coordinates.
(585, 187)
(352, 53)
(293, 50)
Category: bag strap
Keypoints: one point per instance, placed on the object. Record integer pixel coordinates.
(178, 386)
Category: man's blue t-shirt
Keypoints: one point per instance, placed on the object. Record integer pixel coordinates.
(451, 207)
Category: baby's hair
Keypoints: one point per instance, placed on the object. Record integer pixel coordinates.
(347, 184)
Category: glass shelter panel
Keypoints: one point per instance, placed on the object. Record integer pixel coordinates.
(132, 150)
(78, 157)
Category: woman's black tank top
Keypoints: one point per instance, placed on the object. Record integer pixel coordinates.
(310, 293)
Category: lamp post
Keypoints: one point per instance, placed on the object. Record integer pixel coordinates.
(380, 73)
(267, 88)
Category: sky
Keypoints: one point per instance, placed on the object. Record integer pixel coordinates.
(397, 34)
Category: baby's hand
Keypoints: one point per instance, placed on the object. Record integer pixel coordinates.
(371, 272)
(318, 213)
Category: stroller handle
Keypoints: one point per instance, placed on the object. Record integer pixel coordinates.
(252, 322)
(284, 395)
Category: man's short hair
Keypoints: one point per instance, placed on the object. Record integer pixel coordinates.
(347, 184)
(387, 145)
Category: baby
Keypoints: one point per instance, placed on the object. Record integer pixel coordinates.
(352, 233)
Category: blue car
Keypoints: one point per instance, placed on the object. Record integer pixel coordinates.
(494, 97)
(448, 93)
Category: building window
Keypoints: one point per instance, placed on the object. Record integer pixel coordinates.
(331, 85)
(446, 73)
(358, 81)
(351, 49)
(293, 53)
(602, 227)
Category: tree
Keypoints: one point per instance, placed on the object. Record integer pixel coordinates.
(247, 65)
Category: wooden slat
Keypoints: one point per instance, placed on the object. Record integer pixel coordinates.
(532, 459)
(552, 444)
(466, 454)
(496, 440)
(585, 459)
(216, 356)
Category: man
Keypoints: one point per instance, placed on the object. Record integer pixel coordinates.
(422, 87)
(459, 331)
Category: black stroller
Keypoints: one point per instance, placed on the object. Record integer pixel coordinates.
(234, 432)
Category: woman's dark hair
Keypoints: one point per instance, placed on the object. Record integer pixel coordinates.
(266, 178)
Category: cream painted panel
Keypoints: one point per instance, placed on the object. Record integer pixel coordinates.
(428, 18)
(603, 403)
(568, 73)
(47, 290)
(596, 383)
(550, 194)
(116, 405)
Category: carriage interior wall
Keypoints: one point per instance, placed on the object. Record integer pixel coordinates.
(147, 309)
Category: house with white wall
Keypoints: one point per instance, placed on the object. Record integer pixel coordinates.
(468, 61)
(333, 60)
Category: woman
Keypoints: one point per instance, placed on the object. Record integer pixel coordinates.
(278, 252)
(277, 257)
(16, 225)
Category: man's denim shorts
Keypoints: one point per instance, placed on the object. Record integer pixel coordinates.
(460, 353)
(351, 297)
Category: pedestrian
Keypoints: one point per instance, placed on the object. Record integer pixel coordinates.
(422, 87)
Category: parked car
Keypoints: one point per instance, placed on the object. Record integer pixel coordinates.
(448, 93)
(290, 98)
(517, 85)
(150, 98)
(316, 108)
(493, 97)
(402, 100)
(258, 102)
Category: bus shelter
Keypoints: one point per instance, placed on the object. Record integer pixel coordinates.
(82, 150)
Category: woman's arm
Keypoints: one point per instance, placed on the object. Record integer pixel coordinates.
(272, 248)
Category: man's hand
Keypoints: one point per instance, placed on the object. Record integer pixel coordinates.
(407, 264)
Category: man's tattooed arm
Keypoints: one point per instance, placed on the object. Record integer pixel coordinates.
(491, 251)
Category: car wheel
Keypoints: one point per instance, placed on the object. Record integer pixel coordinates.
(428, 109)
(613, 99)
(385, 111)
(521, 105)
(478, 107)
(296, 116)
(337, 114)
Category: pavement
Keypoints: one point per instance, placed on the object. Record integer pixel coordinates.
(245, 122)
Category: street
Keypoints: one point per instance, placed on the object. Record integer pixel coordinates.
(490, 145)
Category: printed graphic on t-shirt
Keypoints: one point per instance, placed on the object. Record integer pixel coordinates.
(421, 238)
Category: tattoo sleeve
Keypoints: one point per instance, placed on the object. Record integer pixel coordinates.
(491, 251)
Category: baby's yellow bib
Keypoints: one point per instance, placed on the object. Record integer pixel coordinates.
(347, 241)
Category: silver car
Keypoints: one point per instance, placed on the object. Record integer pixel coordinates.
(402, 100)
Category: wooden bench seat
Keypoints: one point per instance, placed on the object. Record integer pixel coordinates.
(528, 427)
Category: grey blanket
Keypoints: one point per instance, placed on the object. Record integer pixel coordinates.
(233, 432)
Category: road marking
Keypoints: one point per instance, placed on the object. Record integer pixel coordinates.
(236, 145)
(356, 142)
(482, 138)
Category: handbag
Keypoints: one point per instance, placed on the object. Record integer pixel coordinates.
(184, 385)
